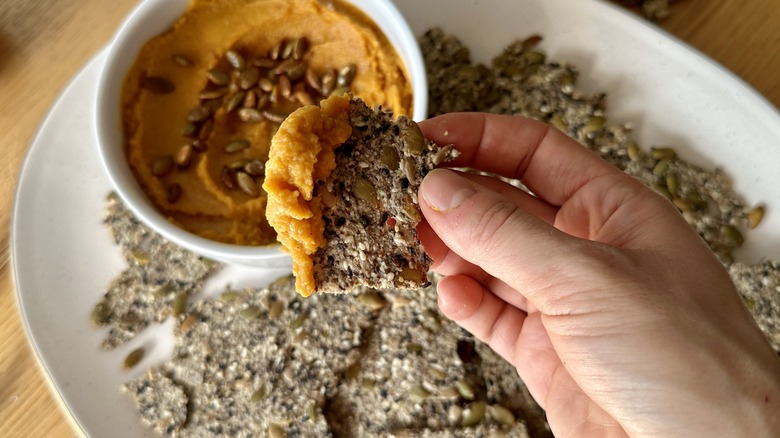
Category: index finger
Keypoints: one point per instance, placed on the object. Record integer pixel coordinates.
(552, 165)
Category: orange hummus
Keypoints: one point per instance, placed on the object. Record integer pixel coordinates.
(195, 195)
(302, 152)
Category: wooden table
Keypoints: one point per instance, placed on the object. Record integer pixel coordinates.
(44, 43)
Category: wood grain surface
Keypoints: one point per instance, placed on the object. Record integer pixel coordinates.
(43, 43)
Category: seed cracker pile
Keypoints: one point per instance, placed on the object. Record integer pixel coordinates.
(386, 362)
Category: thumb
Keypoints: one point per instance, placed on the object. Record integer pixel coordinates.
(491, 231)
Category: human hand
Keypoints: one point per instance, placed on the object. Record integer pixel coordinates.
(618, 317)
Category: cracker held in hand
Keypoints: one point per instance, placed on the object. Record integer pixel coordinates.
(342, 184)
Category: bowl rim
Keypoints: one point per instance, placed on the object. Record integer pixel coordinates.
(110, 136)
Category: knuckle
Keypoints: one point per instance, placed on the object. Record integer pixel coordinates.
(491, 226)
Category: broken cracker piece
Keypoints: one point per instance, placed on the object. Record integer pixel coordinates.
(342, 184)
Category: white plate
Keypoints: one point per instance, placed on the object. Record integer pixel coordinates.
(64, 257)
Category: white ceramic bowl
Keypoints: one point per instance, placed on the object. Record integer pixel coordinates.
(153, 17)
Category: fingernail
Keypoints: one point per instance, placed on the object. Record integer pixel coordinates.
(444, 190)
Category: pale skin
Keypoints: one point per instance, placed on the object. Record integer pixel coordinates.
(615, 313)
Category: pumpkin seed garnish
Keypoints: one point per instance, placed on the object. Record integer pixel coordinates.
(437, 372)
(732, 234)
(373, 300)
(299, 48)
(251, 99)
(413, 275)
(414, 348)
(328, 83)
(205, 132)
(346, 75)
(218, 77)
(190, 130)
(663, 153)
(474, 414)
(275, 311)
(230, 296)
(662, 167)
(263, 62)
(285, 86)
(313, 80)
(199, 113)
(213, 93)
(418, 394)
(237, 145)
(298, 322)
(184, 156)
(276, 430)
(364, 190)
(755, 216)
(673, 183)
(339, 91)
(157, 85)
(683, 204)
(414, 140)
(251, 313)
(248, 78)
(247, 184)
(238, 164)
(255, 168)
(276, 50)
(660, 188)
(173, 193)
(502, 415)
(274, 116)
(179, 304)
(100, 314)
(235, 59)
(162, 166)
(465, 389)
(133, 358)
(633, 151)
(229, 178)
(188, 323)
(258, 395)
(250, 115)
(235, 101)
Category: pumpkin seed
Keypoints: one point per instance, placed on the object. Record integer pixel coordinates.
(531, 42)
(100, 314)
(346, 75)
(157, 85)
(190, 130)
(247, 184)
(184, 156)
(633, 151)
(298, 322)
(263, 62)
(218, 77)
(229, 178)
(251, 313)
(328, 82)
(313, 80)
(214, 93)
(276, 431)
(437, 372)
(285, 86)
(173, 193)
(502, 415)
(755, 216)
(274, 116)
(188, 323)
(251, 99)
(287, 50)
(199, 113)
(682, 204)
(258, 395)
(662, 167)
(390, 158)
(276, 310)
(237, 145)
(250, 115)
(594, 124)
(339, 91)
(559, 123)
(205, 133)
(414, 348)
(140, 257)
(238, 164)
(413, 275)
(364, 190)
(373, 300)
(182, 60)
(732, 234)
(418, 394)
(162, 166)
(454, 414)
(661, 189)
(255, 168)
(265, 84)
(414, 140)
(133, 358)
(299, 48)
(179, 304)
(663, 153)
(235, 59)
(673, 183)
(248, 78)
(230, 296)
(263, 101)
(474, 414)
(235, 101)
(534, 58)
(465, 389)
